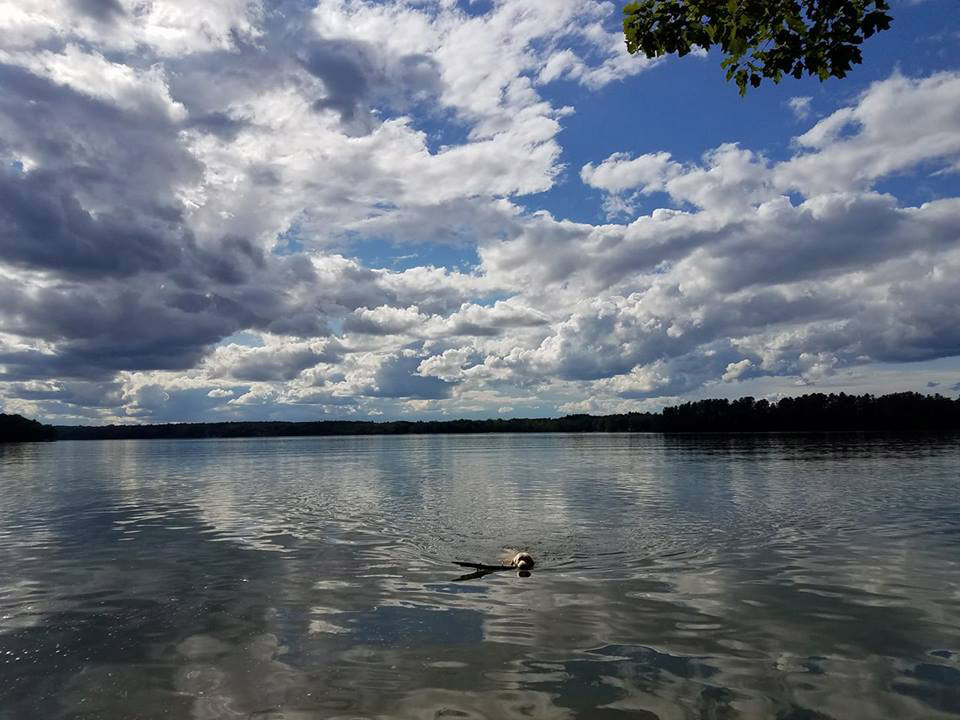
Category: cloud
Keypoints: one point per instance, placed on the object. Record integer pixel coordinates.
(174, 177)
(729, 179)
(800, 106)
(619, 172)
(76, 241)
(848, 150)
(101, 10)
(472, 319)
(275, 362)
(89, 73)
(780, 281)
(840, 278)
(355, 76)
(616, 65)
(897, 124)
(82, 394)
(449, 364)
(736, 370)
(168, 28)
(384, 320)
(397, 377)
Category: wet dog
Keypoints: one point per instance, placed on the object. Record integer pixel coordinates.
(520, 561)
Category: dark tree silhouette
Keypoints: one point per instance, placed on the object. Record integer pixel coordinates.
(759, 38)
(16, 428)
(810, 413)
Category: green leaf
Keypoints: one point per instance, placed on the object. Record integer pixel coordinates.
(777, 37)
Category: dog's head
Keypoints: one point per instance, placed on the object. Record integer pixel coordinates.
(522, 561)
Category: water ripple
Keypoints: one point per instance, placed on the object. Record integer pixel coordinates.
(695, 577)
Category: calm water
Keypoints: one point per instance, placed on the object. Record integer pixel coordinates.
(788, 577)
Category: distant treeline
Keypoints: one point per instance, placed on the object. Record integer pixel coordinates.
(907, 411)
(809, 413)
(16, 428)
(632, 422)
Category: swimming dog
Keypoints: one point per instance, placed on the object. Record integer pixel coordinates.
(521, 561)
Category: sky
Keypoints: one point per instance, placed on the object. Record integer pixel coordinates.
(246, 210)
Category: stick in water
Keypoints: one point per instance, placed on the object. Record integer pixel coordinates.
(520, 561)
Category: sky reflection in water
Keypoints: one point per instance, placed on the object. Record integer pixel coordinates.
(677, 577)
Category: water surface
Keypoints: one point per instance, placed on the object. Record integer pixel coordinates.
(794, 577)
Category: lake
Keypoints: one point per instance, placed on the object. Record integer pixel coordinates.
(795, 577)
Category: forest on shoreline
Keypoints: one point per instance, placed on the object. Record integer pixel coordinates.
(816, 412)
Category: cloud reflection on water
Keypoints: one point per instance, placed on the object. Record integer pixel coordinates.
(676, 577)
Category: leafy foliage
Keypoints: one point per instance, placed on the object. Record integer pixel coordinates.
(759, 38)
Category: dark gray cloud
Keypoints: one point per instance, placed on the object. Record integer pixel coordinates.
(344, 68)
(481, 321)
(397, 378)
(159, 321)
(273, 364)
(475, 329)
(119, 156)
(819, 240)
(83, 394)
(684, 373)
(43, 226)
(102, 10)
(155, 403)
(917, 323)
(221, 124)
(232, 261)
(358, 76)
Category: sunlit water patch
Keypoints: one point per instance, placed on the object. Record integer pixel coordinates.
(677, 577)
